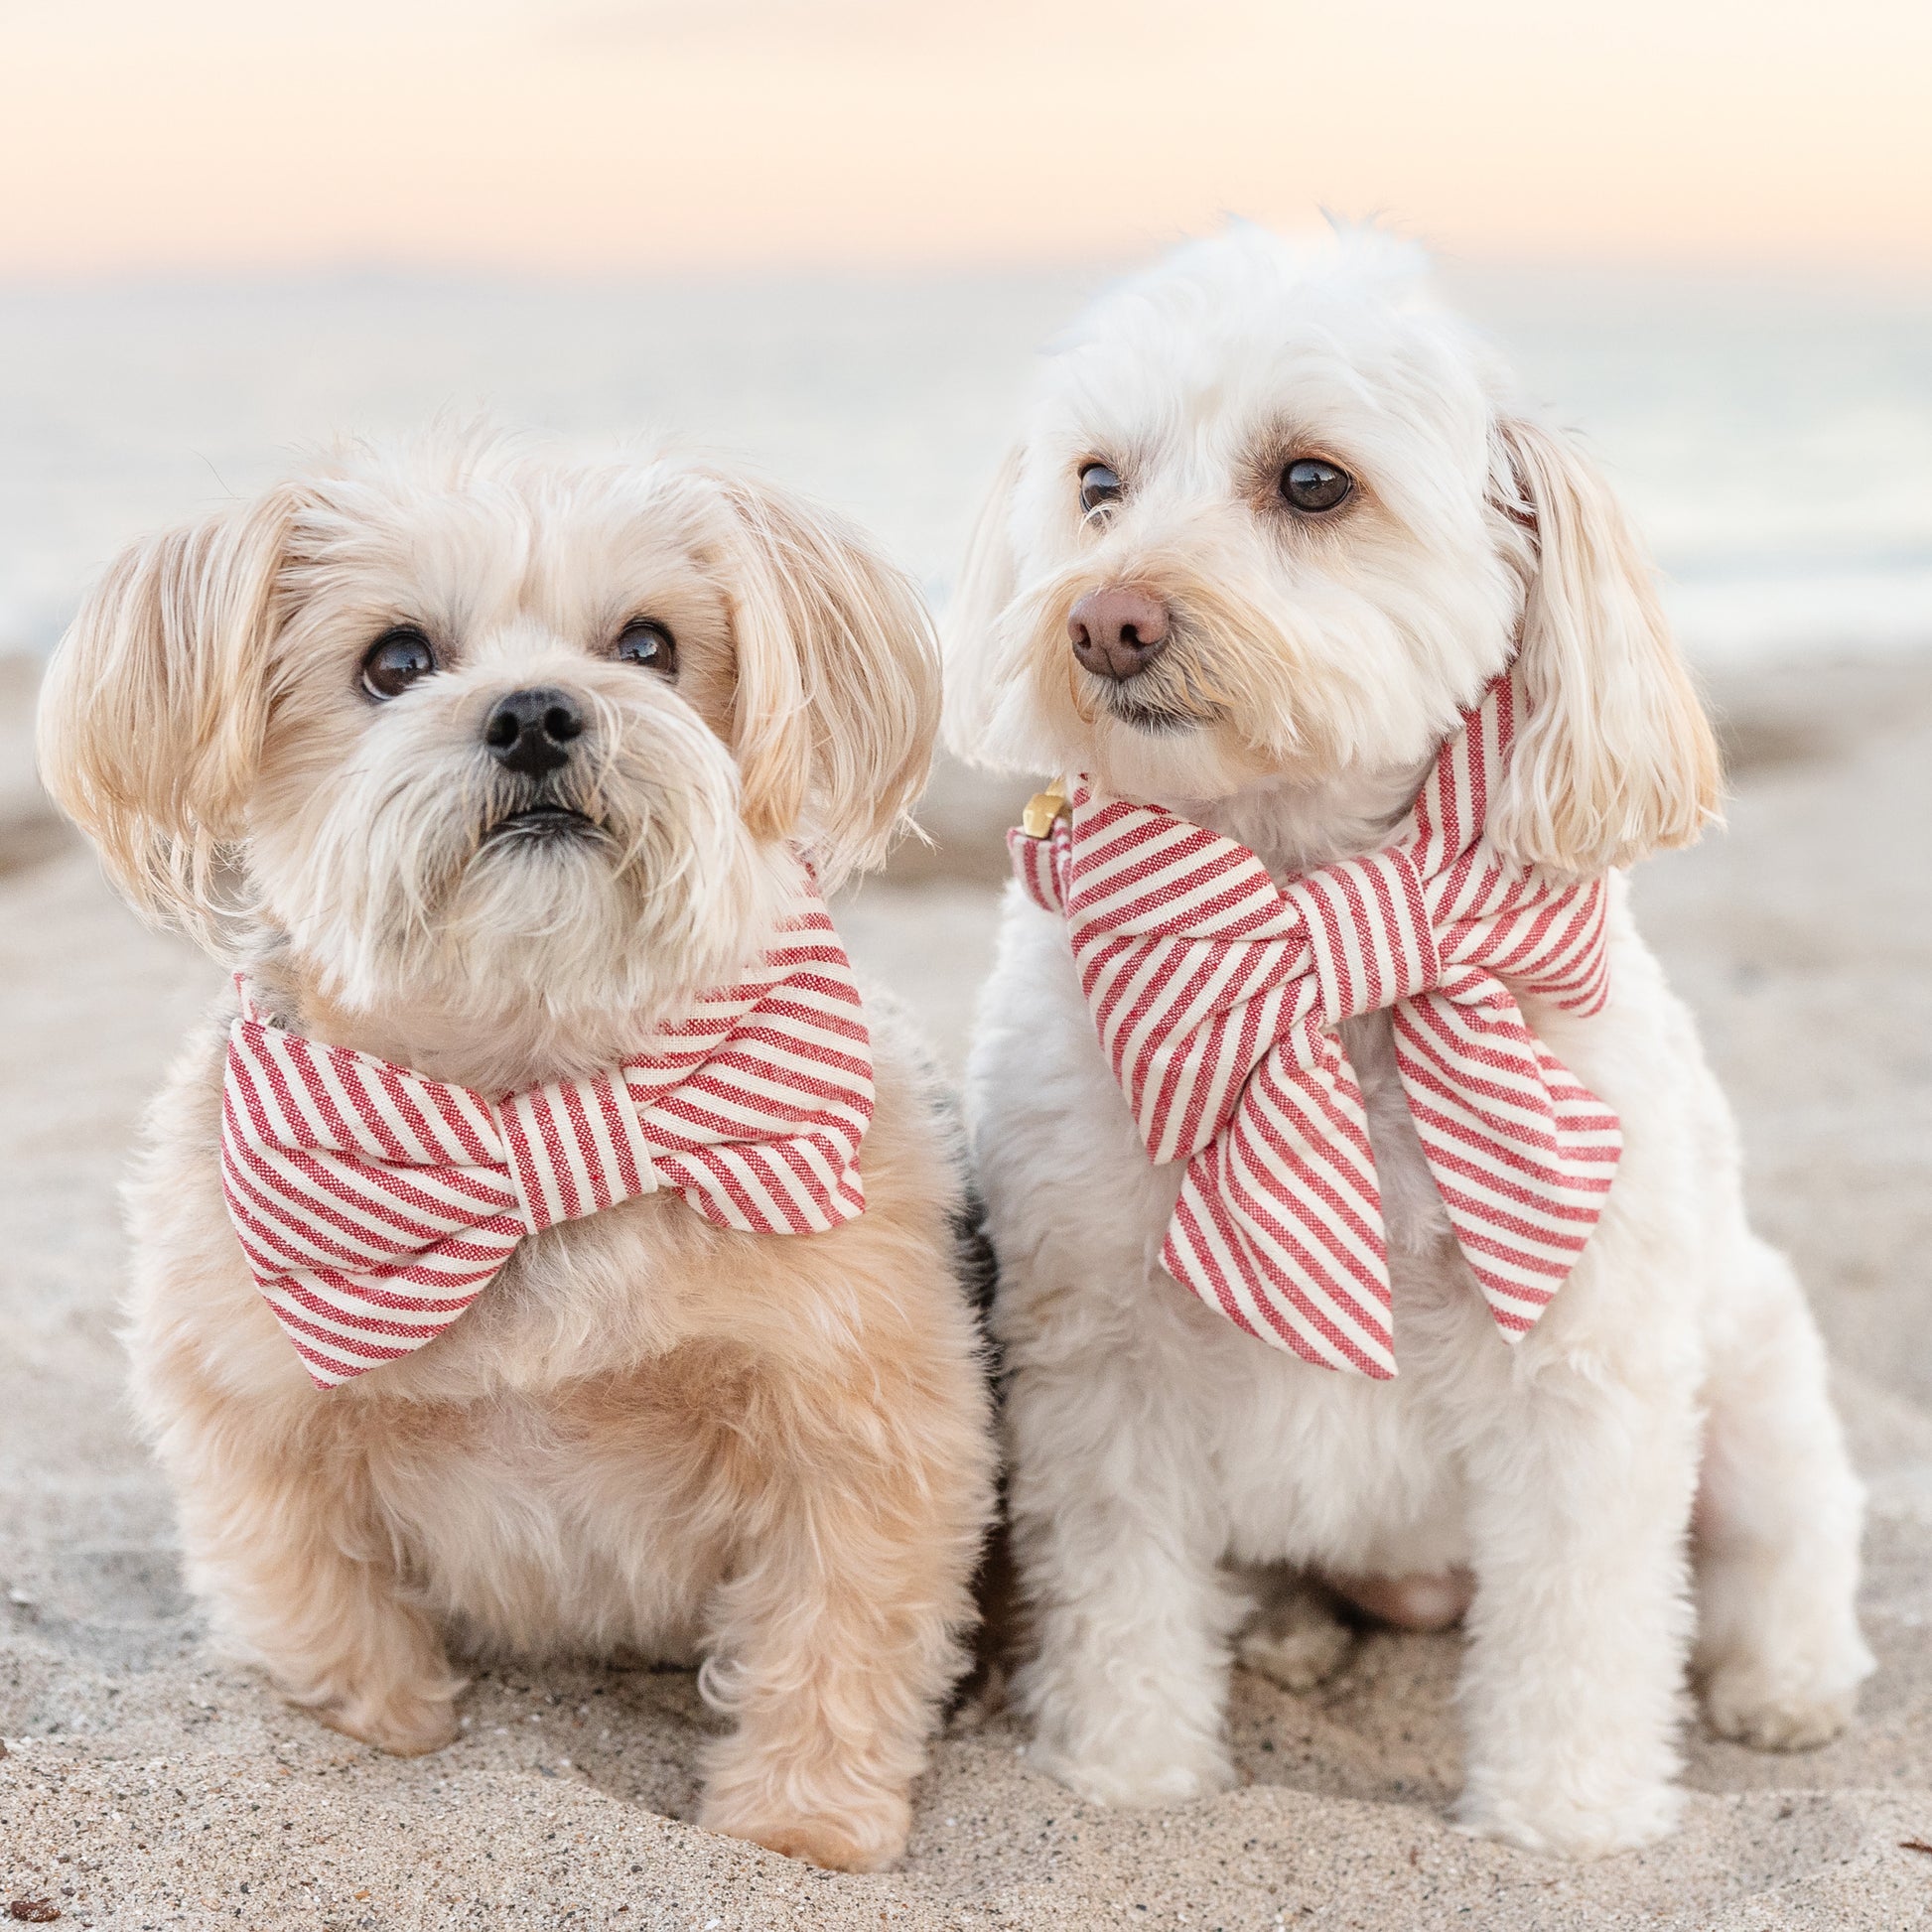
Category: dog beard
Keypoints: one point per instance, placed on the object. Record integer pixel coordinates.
(425, 872)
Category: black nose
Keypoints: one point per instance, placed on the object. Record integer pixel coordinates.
(530, 731)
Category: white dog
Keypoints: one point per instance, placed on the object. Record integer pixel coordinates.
(1277, 522)
(495, 772)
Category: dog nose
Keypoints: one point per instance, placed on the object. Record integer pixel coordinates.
(530, 731)
(1118, 633)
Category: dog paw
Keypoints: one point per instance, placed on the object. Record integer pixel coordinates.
(868, 1841)
(1568, 1828)
(1297, 1656)
(403, 1723)
(1134, 1783)
(1751, 1710)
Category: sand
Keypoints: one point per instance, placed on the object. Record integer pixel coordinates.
(148, 1785)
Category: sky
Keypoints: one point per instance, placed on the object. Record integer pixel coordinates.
(629, 136)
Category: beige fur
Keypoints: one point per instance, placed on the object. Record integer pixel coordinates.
(1617, 760)
(648, 1434)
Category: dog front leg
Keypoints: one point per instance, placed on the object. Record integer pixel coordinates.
(839, 1634)
(282, 1545)
(1778, 1519)
(1117, 1545)
(1573, 1690)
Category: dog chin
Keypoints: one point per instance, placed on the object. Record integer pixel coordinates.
(1155, 719)
(546, 828)
(1167, 761)
(552, 911)
(549, 911)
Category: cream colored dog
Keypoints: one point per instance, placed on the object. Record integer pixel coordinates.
(1275, 521)
(649, 1434)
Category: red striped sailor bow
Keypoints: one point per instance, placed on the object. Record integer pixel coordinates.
(374, 1205)
(1216, 993)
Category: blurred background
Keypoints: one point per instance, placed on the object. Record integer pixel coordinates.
(828, 237)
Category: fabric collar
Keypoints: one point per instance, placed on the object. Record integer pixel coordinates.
(1217, 994)
(374, 1205)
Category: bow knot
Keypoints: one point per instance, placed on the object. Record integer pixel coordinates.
(1217, 995)
(574, 1147)
(1369, 931)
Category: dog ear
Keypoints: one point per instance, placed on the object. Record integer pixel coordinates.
(1616, 757)
(155, 704)
(988, 581)
(838, 682)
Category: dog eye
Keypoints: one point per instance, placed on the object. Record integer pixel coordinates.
(1098, 485)
(396, 661)
(1314, 485)
(650, 644)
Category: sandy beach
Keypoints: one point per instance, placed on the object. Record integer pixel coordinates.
(147, 1785)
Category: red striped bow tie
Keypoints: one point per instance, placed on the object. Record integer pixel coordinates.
(373, 1205)
(1217, 994)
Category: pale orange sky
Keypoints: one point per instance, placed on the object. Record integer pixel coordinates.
(626, 135)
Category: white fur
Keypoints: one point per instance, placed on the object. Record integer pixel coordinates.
(1314, 667)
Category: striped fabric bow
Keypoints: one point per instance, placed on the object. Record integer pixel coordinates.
(374, 1205)
(1217, 994)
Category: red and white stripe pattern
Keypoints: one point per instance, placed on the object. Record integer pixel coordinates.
(1217, 994)
(374, 1205)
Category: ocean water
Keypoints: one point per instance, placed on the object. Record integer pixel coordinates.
(1775, 440)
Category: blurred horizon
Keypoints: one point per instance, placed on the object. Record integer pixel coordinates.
(636, 137)
(1772, 444)
(1616, 282)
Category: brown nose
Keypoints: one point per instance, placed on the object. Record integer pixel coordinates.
(1118, 633)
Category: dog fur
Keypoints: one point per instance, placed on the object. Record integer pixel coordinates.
(649, 1435)
(1315, 663)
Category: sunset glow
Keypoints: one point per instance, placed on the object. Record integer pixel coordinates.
(627, 135)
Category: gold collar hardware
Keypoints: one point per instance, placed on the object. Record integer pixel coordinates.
(1045, 809)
